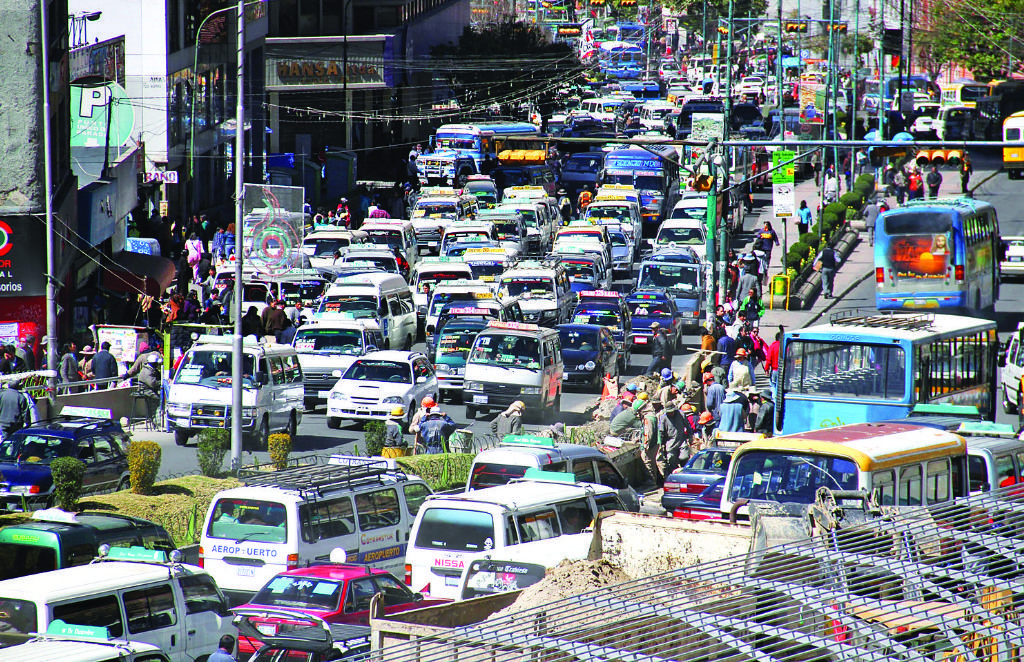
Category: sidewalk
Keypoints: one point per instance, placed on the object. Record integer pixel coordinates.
(858, 267)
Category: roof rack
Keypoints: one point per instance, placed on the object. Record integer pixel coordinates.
(904, 321)
(313, 474)
(950, 201)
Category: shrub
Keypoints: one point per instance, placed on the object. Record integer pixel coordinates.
(811, 240)
(852, 199)
(213, 445)
(441, 471)
(67, 482)
(837, 208)
(280, 447)
(801, 249)
(866, 180)
(373, 434)
(143, 465)
(793, 261)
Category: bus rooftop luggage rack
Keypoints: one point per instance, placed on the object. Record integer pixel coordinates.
(315, 477)
(904, 321)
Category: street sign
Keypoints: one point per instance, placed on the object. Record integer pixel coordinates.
(168, 177)
(783, 200)
(90, 126)
(787, 173)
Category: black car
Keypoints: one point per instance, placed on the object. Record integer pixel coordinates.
(589, 353)
(687, 483)
(25, 458)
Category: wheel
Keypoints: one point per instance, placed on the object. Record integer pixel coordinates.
(387, 345)
(262, 435)
(333, 422)
(293, 427)
(408, 343)
(471, 412)
(124, 484)
(180, 437)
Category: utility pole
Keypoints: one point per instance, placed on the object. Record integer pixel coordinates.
(51, 281)
(723, 244)
(778, 62)
(236, 340)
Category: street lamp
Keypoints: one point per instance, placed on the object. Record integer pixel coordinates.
(344, 66)
(79, 21)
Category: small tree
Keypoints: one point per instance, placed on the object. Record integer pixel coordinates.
(373, 433)
(67, 475)
(213, 445)
(280, 447)
(143, 465)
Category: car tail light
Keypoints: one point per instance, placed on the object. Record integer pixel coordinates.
(879, 274)
(293, 561)
(693, 488)
(202, 558)
(33, 489)
(959, 271)
(671, 488)
(408, 574)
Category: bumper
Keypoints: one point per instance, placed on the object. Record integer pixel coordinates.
(581, 378)
(542, 317)
(451, 382)
(1012, 269)
(190, 423)
(353, 412)
(641, 341)
(923, 301)
(484, 401)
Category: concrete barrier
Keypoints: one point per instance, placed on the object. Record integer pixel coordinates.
(117, 400)
(806, 291)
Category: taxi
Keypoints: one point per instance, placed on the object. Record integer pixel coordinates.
(587, 271)
(607, 308)
(468, 231)
(481, 310)
(435, 209)
(432, 271)
(458, 290)
(647, 307)
(482, 188)
(486, 263)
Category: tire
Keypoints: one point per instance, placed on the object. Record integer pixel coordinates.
(333, 422)
(408, 343)
(471, 412)
(124, 484)
(262, 435)
(180, 437)
(293, 426)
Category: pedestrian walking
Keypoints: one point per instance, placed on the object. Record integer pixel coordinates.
(899, 181)
(871, 211)
(804, 219)
(826, 263)
(766, 241)
(660, 351)
(830, 192)
(934, 181)
(68, 367)
(915, 185)
(966, 170)
(740, 375)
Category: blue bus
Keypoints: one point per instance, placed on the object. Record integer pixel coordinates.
(620, 59)
(653, 171)
(459, 149)
(628, 31)
(939, 253)
(878, 367)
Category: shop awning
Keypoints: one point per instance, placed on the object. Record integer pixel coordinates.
(136, 272)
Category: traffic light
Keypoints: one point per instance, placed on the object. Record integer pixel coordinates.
(628, 3)
(796, 26)
(837, 27)
(723, 30)
(939, 157)
(702, 183)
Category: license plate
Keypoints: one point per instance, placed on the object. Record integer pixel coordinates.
(451, 580)
(641, 340)
(1016, 258)
(247, 572)
(432, 244)
(459, 371)
(268, 629)
(479, 399)
(323, 395)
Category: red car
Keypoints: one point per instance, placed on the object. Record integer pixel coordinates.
(335, 592)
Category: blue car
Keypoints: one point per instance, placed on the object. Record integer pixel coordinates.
(679, 273)
(588, 354)
(606, 308)
(648, 306)
(687, 483)
(25, 458)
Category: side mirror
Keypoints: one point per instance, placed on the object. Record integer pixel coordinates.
(985, 487)
(337, 373)
(262, 378)
(369, 348)
(417, 597)
(1002, 360)
(421, 379)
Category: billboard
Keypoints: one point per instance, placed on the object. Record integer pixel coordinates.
(272, 227)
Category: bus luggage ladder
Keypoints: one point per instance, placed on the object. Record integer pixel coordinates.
(315, 476)
(903, 321)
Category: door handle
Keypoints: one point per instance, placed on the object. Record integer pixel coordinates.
(191, 633)
(173, 638)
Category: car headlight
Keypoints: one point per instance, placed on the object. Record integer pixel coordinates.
(337, 395)
(442, 367)
(175, 409)
(393, 400)
(248, 412)
(531, 390)
(474, 386)
(589, 365)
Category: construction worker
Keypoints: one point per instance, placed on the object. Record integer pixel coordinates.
(395, 444)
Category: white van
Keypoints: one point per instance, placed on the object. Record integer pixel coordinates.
(380, 297)
(280, 520)
(134, 593)
(653, 114)
(431, 272)
(546, 520)
(394, 233)
(200, 393)
(328, 346)
(543, 286)
(680, 232)
(512, 361)
(321, 245)
(81, 648)
(458, 290)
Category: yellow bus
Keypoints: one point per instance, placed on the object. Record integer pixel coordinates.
(906, 465)
(963, 94)
(1013, 153)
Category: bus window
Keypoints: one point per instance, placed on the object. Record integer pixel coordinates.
(938, 481)
(910, 486)
(1006, 473)
(789, 477)
(844, 370)
(884, 486)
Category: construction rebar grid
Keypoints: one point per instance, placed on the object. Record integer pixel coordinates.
(935, 583)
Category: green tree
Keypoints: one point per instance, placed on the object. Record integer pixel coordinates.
(505, 63)
(980, 37)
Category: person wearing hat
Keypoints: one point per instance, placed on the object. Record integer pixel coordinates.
(85, 363)
(556, 430)
(628, 421)
(733, 411)
(714, 395)
(104, 365)
(147, 367)
(435, 430)
(509, 421)
(625, 401)
(668, 392)
(661, 353)
(652, 443)
(764, 422)
(740, 376)
(675, 433)
(395, 444)
(13, 410)
(705, 428)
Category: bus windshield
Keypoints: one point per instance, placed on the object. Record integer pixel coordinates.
(358, 306)
(457, 141)
(314, 340)
(669, 277)
(825, 369)
(509, 350)
(533, 286)
(790, 477)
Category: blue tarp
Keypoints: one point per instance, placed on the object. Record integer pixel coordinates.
(789, 62)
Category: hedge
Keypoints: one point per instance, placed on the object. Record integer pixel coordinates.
(811, 240)
(373, 437)
(837, 208)
(793, 261)
(143, 465)
(801, 249)
(280, 447)
(443, 471)
(67, 473)
(852, 199)
(213, 446)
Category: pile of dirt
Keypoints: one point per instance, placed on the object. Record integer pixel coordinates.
(645, 384)
(565, 580)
